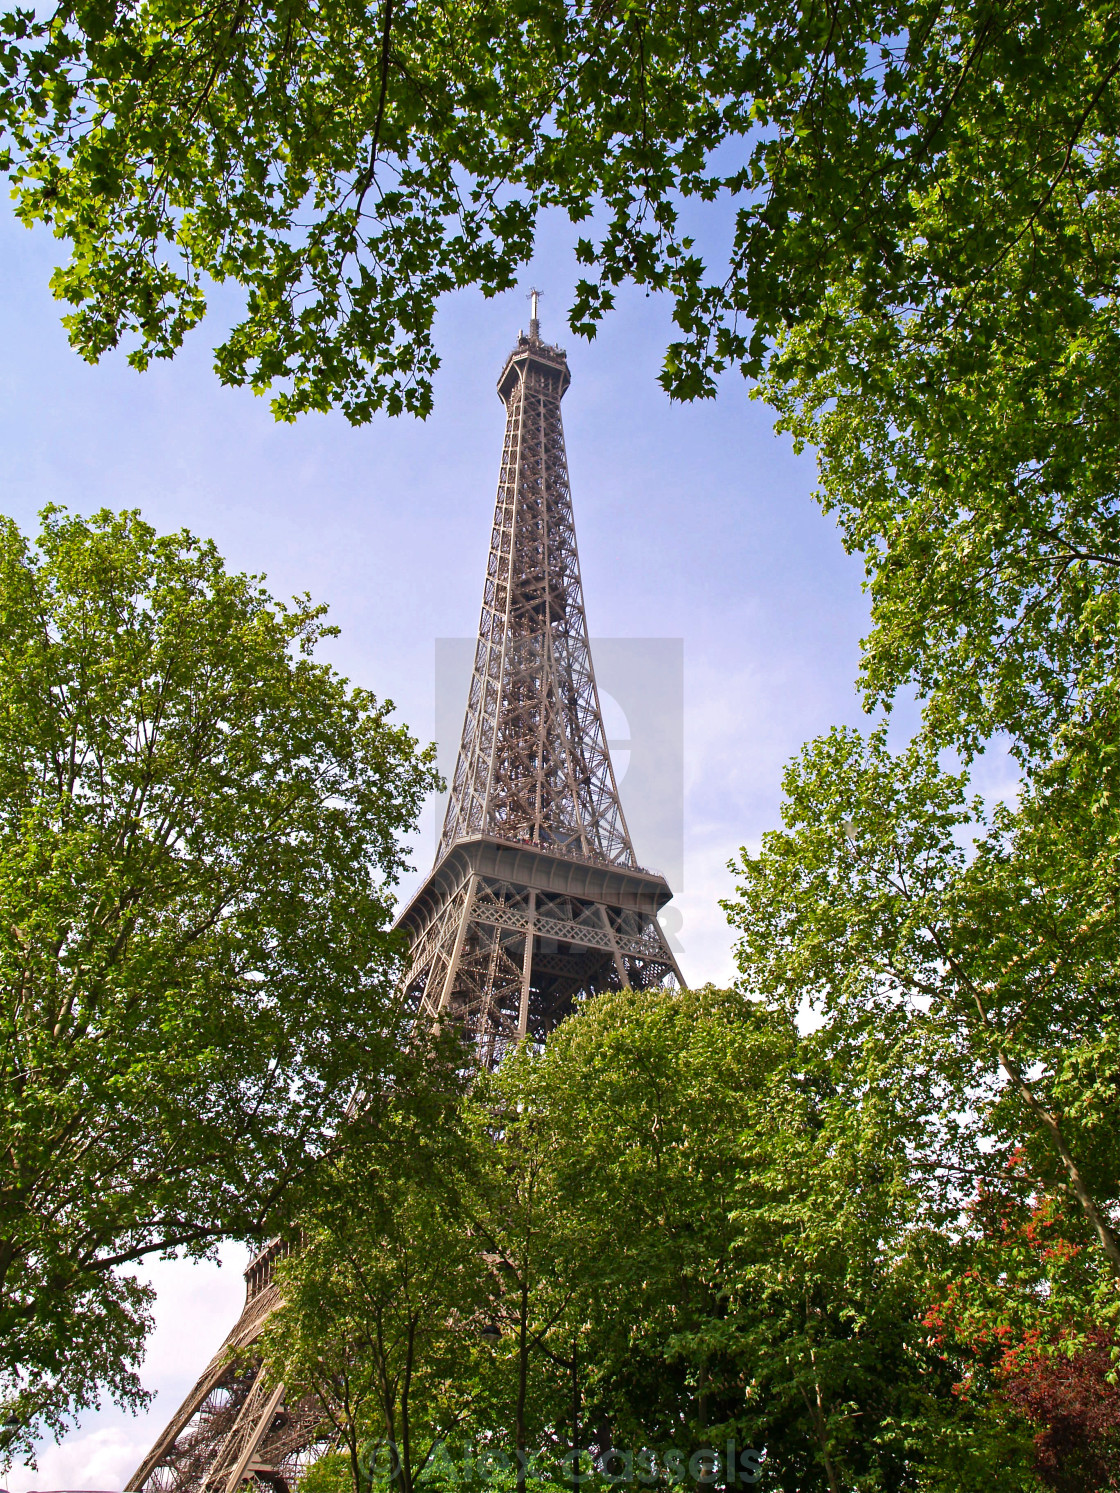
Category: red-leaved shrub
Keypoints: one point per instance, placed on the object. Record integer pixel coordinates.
(1067, 1393)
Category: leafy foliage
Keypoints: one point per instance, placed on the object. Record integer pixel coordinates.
(381, 1299)
(977, 950)
(347, 163)
(199, 833)
(1001, 963)
(743, 1198)
(1073, 1394)
(688, 1225)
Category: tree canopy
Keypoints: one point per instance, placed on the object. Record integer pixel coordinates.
(200, 829)
(679, 1225)
(975, 948)
(898, 215)
(346, 163)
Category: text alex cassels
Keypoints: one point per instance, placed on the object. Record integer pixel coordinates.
(644, 1466)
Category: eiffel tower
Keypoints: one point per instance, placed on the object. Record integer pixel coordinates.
(536, 897)
(535, 901)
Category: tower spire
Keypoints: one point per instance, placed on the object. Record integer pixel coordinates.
(533, 762)
(534, 316)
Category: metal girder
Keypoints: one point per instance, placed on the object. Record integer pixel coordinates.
(235, 1423)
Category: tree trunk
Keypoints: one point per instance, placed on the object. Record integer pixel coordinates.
(575, 1416)
(522, 1383)
(406, 1434)
(815, 1408)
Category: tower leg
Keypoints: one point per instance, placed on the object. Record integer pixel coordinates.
(527, 970)
(235, 1421)
(457, 949)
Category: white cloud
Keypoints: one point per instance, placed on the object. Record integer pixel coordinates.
(103, 1458)
(196, 1305)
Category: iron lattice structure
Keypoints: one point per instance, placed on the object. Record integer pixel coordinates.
(235, 1424)
(535, 898)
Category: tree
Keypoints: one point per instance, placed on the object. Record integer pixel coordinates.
(200, 829)
(519, 1220)
(347, 163)
(650, 1097)
(835, 1240)
(987, 941)
(1014, 1328)
(869, 907)
(383, 1301)
(952, 354)
(745, 1241)
(416, 1309)
(1073, 1394)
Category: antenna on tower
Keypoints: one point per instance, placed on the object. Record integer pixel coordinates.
(534, 318)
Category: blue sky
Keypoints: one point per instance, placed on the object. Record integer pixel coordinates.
(694, 522)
